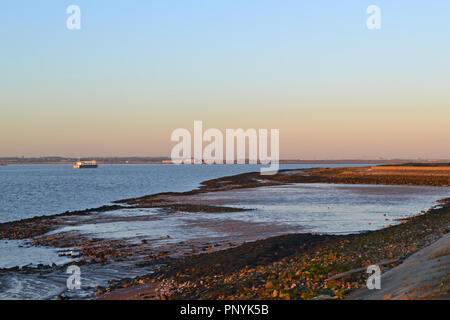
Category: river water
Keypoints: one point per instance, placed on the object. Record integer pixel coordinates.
(32, 190)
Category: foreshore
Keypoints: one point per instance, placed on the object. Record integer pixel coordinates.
(297, 266)
(294, 266)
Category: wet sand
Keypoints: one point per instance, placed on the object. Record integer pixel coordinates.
(298, 266)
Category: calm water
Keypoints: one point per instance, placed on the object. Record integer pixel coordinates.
(34, 190)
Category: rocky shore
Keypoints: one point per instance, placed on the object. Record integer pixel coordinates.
(294, 266)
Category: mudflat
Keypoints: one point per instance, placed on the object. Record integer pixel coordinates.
(298, 266)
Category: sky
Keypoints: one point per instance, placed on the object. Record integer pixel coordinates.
(137, 70)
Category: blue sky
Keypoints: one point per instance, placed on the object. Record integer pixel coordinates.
(143, 68)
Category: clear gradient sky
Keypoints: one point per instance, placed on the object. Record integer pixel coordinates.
(139, 69)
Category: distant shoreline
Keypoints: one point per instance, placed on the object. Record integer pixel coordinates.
(162, 160)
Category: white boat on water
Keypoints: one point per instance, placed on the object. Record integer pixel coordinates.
(85, 164)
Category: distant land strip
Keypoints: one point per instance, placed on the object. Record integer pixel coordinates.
(166, 160)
